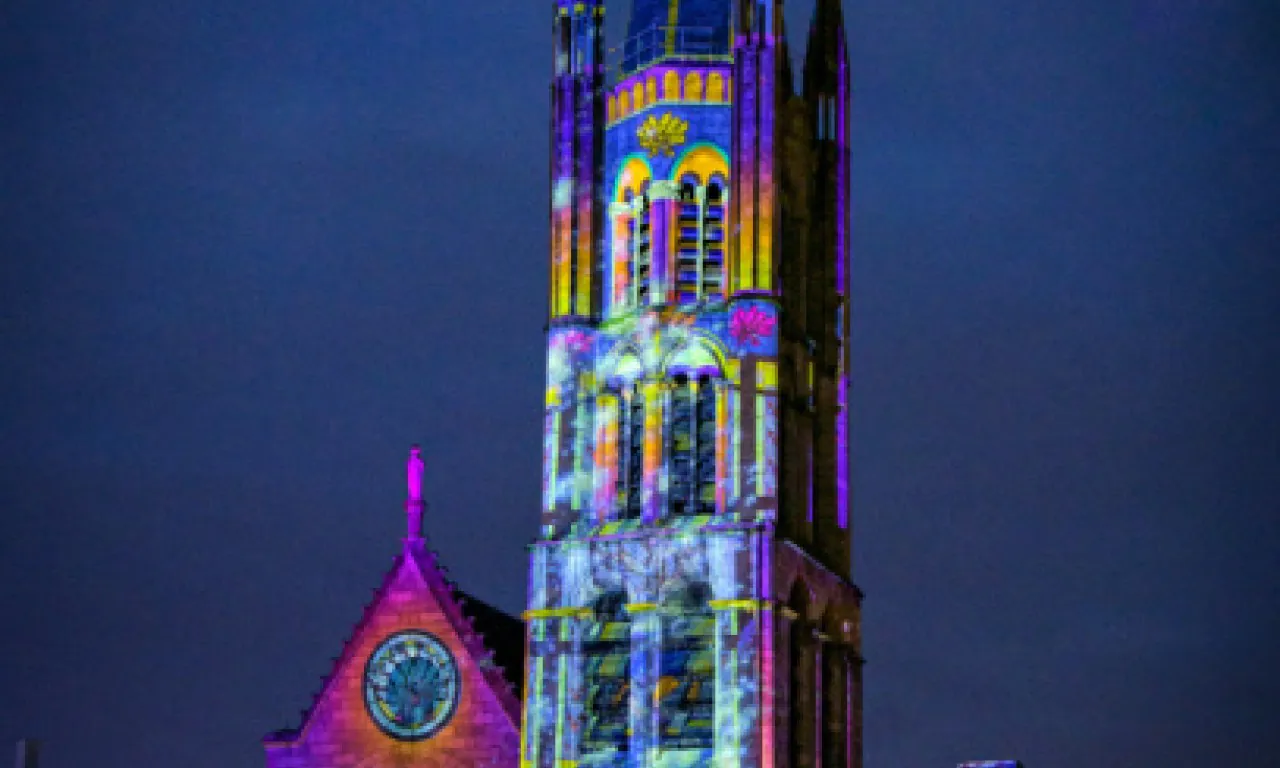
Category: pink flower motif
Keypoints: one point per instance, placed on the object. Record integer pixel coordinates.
(577, 341)
(750, 325)
(573, 341)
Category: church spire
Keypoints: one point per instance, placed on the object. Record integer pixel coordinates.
(414, 505)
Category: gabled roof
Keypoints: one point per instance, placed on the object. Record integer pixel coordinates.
(493, 638)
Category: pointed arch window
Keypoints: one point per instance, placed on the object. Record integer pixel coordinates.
(606, 656)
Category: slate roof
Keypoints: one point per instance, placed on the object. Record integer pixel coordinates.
(503, 634)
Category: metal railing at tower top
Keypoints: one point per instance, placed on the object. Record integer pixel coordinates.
(656, 44)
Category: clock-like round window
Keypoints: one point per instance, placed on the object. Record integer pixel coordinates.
(411, 685)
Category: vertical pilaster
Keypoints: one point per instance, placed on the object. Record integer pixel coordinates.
(578, 116)
(654, 402)
(753, 200)
(663, 197)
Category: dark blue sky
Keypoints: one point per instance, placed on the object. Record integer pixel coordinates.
(252, 250)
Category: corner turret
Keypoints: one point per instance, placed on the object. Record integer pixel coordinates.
(577, 151)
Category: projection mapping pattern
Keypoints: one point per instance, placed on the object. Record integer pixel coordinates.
(411, 685)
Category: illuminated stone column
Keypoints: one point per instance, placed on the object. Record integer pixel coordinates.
(653, 448)
(607, 432)
(578, 117)
(663, 200)
(619, 257)
(724, 445)
(753, 209)
(646, 641)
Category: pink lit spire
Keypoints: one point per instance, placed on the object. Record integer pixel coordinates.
(414, 505)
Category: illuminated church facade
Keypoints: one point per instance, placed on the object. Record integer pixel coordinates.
(689, 594)
(689, 598)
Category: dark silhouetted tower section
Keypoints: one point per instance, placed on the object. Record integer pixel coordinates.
(28, 754)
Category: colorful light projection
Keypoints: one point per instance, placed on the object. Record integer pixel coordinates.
(578, 108)
(408, 686)
(661, 135)
(655, 635)
(660, 415)
(686, 684)
(411, 685)
(668, 234)
(667, 670)
(606, 652)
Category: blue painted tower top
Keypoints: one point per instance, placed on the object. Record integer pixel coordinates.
(667, 141)
(680, 29)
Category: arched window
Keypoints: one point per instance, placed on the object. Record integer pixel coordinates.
(715, 87)
(686, 680)
(637, 95)
(613, 108)
(624, 104)
(671, 85)
(606, 657)
(629, 489)
(680, 447)
(691, 444)
(834, 676)
(700, 224)
(800, 698)
(713, 238)
(704, 417)
(688, 234)
(625, 247)
(650, 90)
(693, 87)
(642, 261)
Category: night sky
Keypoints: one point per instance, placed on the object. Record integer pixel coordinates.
(251, 251)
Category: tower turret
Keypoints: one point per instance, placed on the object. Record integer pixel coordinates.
(577, 116)
(758, 74)
(826, 97)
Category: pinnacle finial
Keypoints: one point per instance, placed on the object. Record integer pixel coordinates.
(415, 468)
(415, 506)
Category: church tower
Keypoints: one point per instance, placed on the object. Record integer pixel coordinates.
(690, 597)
